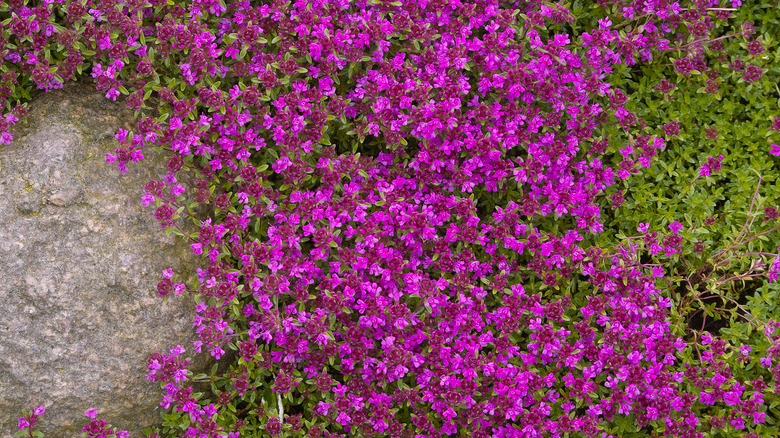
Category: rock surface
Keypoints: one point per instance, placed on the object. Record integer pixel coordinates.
(81, 257)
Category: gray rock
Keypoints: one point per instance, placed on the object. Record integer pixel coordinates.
(81, 258)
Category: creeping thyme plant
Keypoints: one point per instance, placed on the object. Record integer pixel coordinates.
(445, 218)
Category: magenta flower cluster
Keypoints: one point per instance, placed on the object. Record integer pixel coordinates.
(712, 165)
(28, 421)
(377, 283)
(95, 428)
(100, 428)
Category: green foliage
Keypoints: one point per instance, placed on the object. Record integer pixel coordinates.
(719, 285)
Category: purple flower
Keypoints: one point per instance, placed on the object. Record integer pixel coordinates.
(675, 227)
(712, 165)
(6, 138)
(752, 74)
(175, 123)
(96, 14)
(177, 351)
(177, 190)
(91, 412)
(147, 198)
(323, 408)
(112, 94)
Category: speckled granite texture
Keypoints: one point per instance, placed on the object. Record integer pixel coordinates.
(81, 257)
